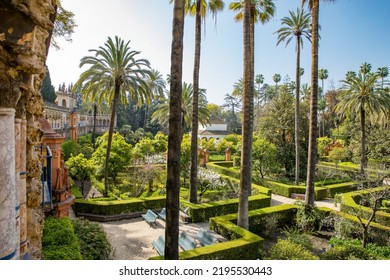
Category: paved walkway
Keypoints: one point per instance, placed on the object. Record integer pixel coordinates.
(278, 199)
(132, 239)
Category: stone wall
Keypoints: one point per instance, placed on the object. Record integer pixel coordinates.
(25, 31)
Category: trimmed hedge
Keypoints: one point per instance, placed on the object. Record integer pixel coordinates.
(350, 202)
(59, 241)
(233, 176)
(203, 212)
(286, 190)
(320, 193)
(342, 188)
(379, 233)
(117, 207)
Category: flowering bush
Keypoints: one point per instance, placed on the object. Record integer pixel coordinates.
(208, 180)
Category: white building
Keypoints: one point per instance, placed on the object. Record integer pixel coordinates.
(217, 129)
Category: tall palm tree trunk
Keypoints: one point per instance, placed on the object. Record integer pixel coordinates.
(174, 135)
(298, 86)
(363, 161)
(246, 159)
(194, 132)
(311, 164)
(110, 132)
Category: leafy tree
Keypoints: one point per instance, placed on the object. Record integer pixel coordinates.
(185, 157)
(160, 142)
(47, 89)
(115, 74)
(277, 127)
(264, 157)
(80, 169)
(298, 26)
(120, 155)
(143, 149)
(363, 95)
(64, 25)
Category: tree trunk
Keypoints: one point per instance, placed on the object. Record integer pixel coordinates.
(247, 134)
(174, 135)
(363, 161)
(312, 149)
(110, 133)
(194, 131)
(298, 85)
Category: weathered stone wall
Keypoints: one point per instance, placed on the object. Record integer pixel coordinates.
(25, 31)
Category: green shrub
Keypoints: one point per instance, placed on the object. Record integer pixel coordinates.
(297, 237)
(309, 218)
(69, 148)
(59, 241)
(288, 250)
(93, 241)
(237, 161)
(375, 251)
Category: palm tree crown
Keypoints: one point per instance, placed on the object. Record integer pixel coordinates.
(114, 64)
(297, 25)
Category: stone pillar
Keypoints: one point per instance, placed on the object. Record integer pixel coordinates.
(73, 126)
(228, 154)
(206, 156)
(17, 131)
(9, 241)
(23, 195)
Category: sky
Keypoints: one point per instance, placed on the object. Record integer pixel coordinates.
(352, 32)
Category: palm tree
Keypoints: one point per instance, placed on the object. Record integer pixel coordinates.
(161, 114)
(174, 135)
(155, 86)
(305, 92)
(247, 126)
(365, 68)
(383, 72)
(238, 88)
(363, 95)
(114, 74)
(314, 6)
(260, 11)
(259, 80)
(297, 25)
(199, 9)
(322, 75)
(277, 78)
